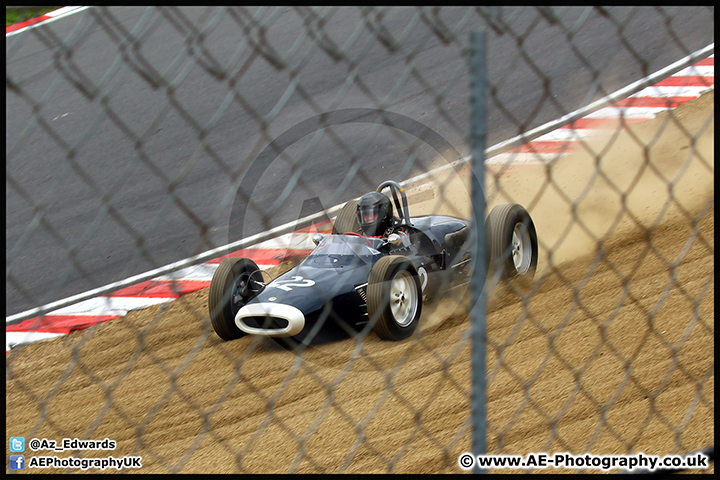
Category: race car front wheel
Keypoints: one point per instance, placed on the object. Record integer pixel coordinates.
(512, 244)
(394, 298)
(233, 284)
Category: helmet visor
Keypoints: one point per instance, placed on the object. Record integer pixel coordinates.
(369, 214)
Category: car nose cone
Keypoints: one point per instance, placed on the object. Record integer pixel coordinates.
(294, 317)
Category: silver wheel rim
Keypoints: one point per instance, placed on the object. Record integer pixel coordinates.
(403, 298)
(521, 248)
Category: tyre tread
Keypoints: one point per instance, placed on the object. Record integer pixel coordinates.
(346, 220)
(221, 317)
(377, 303)
(498, 226)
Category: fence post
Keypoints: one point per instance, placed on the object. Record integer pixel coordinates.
(478, 115)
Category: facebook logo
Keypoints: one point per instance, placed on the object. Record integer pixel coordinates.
(17, 444)
(17, 462)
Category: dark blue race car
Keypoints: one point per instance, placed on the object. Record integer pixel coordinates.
(374, 268)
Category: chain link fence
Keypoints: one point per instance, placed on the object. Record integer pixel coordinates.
(147, 149)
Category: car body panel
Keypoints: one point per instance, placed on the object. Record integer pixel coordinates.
(329, 284)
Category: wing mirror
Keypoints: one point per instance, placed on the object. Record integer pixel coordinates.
(394, 239)
(317, 238)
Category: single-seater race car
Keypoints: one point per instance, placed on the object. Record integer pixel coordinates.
(374, 268)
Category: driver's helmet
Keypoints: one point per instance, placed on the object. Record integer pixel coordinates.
(375, 213)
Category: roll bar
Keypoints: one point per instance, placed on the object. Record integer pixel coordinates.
(395, 188)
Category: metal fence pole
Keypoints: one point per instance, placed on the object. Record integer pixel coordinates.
(478, 115)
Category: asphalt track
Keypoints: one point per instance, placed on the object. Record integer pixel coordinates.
(194, 214)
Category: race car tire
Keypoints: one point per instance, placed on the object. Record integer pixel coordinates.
(347, 221)
(231, 276)
(394, 298)
(512, 245)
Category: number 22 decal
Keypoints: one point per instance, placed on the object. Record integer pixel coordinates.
(292, 282)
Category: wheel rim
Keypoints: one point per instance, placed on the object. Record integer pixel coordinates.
(239, 294)
(521, 248)
(403, 298)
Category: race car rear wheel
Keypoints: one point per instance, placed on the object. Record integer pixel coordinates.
(394, 298)
(230, 289)
(347, 221)
(512, 244)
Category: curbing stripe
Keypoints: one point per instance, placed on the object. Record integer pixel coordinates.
(161, 288)
(100, 306)
(19, 26)
(42, 19)
(668, 102)
(695, 80)
(600, 124)
(540, 146)
(647, 113)
(16, 339)
(59, 323)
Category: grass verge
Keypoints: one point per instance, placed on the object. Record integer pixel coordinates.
(15, 15)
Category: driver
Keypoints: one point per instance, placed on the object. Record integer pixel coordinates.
(375, 214)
